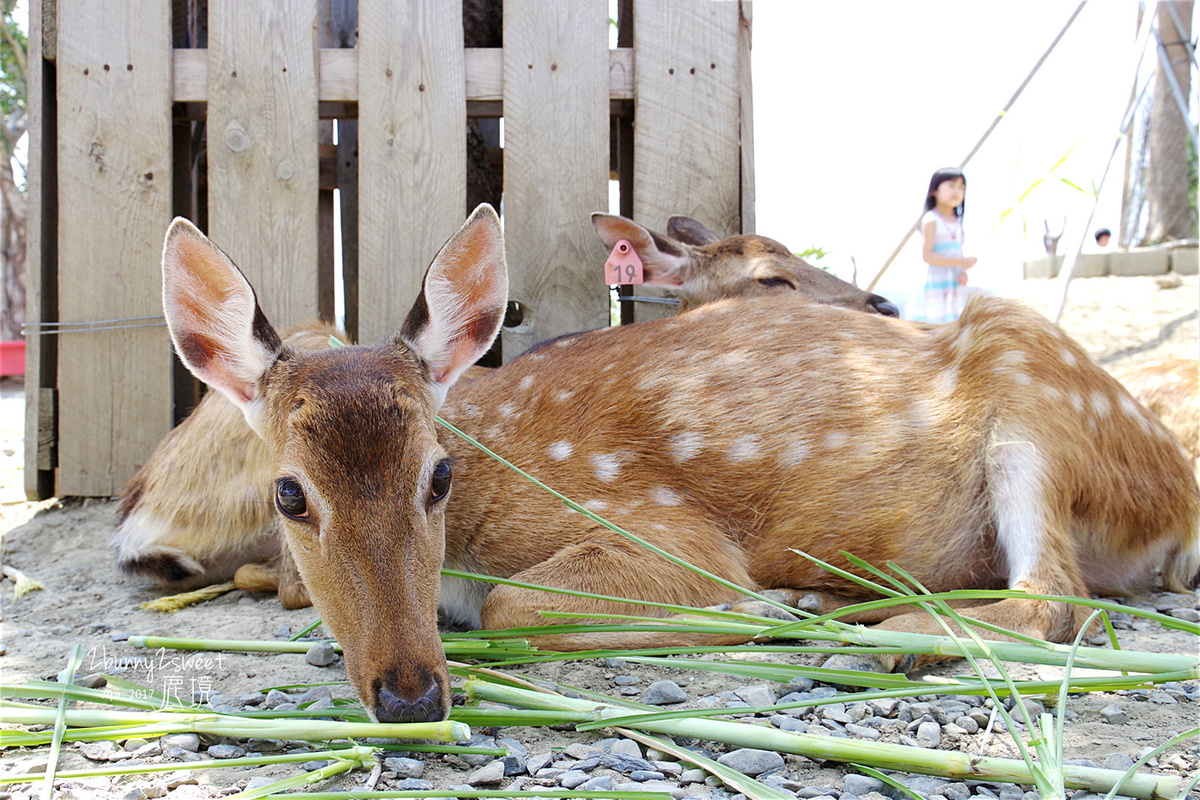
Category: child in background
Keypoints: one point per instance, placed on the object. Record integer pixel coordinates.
(944, 294)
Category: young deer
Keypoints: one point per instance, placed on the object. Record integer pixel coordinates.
(990, 452)
(200, 507)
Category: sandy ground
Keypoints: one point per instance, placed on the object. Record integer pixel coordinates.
(1122, 321)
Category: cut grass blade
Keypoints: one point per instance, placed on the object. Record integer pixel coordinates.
(88, 724)
(60, 720)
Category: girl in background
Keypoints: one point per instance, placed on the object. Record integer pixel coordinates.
(944, 294)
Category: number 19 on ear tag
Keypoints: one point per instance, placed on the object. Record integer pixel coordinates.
(623, 265)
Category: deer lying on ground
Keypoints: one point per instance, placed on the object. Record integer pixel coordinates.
(1171, 389)
(201, 506)
(989, 452)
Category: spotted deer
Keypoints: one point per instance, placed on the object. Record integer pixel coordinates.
(200, 507)
(990, 452)
(1171, 389)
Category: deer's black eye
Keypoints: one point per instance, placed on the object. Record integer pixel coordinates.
(776, 283)
(289, 497)
(439, 487)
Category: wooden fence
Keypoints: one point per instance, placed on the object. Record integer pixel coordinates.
(225, 112)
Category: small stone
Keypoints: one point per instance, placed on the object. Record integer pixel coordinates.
(1117, 761)
(925, 785)
(284, 631)
(1162, 698)
(757, 696)
(579, 750)
(750, 761)
(572, 778)
(310, 766)
(929, 734)
(626, 680)
(93, 681)
(643, 775)
(626, 747)
(405, 767)
(259, 781)
(252, 699)
(968, 724)
(226, 751)
(790, 724)
(321, 654)
(1114, 715)
(275, 698)
(414, 785)
(537, 762)
(1185, 614)
(103, 751)
(693, 776)
(861, 784)
(956, 791)
(662, 693)
(648, 786)
(600, 783)
(862, 731)
(883, 706)
(136, 793)
(179, 754)
(490, 773)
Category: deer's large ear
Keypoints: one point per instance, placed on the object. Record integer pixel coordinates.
(665, 261)
(462, 300)
(217, 327)
(690, 231)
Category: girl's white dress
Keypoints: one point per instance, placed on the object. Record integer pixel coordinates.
(941, 299)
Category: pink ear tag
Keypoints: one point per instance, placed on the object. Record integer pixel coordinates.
(623, 265)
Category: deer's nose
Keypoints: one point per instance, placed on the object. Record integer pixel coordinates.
(428, 706)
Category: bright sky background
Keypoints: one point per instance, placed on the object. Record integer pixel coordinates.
(857, 103)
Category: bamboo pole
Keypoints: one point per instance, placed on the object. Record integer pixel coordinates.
(1003, 112)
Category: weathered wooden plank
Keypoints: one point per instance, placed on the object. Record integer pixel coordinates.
(746, 110)
(411, 149)
(39, 479)
(262, 148)
(686, 156)
(114, 166)
(556, 147)
(338, 74)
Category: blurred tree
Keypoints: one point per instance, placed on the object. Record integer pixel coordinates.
(14, 96)
(1170, 215)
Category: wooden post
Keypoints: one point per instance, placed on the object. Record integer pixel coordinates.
(556, 91)
(262, 148)
(412, 173)
(114, 166)
(687, 158)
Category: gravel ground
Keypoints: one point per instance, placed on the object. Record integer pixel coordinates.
(1123, 321)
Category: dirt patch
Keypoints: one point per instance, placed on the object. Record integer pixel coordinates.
(1123, 321)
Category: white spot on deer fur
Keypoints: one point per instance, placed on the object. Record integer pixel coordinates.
(1051, 392)
(795, 453)
(525, 383)
(946, 381)
(1021, 379)
(686, 445)
(507, 409)
(745, 448)
(560, 450)
(1128, 405)
(470, 410)
(607, 465)
(665, 497)
(1017, 476)
(1069, 358)
(1013, 358)
(1076, 400)
(835, 440)
(919, 413)
(595, 506)
(1100, 404)
(563, 395)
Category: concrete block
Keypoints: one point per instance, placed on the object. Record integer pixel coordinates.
(1185, 260)
(1044, 267)
(1139, 261)
(1091, 265)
